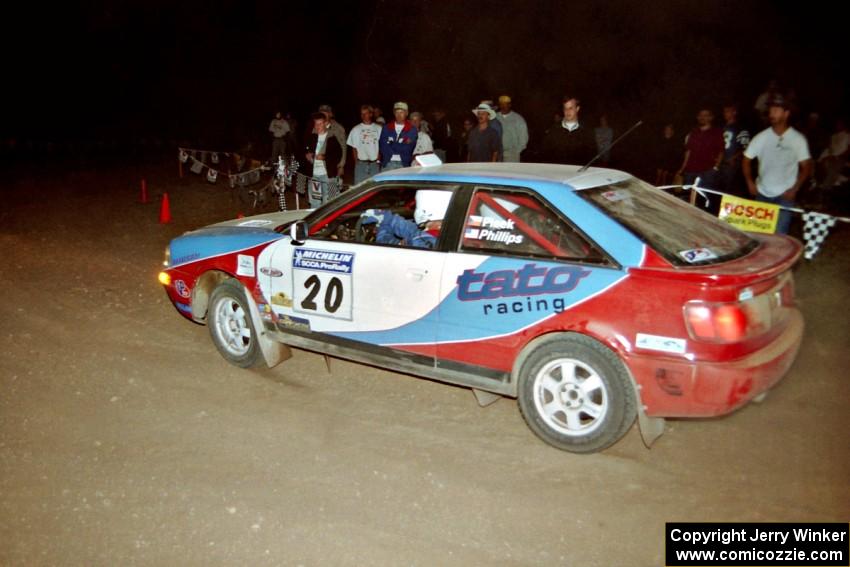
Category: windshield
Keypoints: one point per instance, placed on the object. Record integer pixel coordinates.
(680, 232)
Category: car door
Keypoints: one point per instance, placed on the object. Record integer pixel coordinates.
(519, 264)
(352, 290)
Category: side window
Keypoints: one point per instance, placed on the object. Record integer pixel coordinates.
(406, 216)
(518, 223)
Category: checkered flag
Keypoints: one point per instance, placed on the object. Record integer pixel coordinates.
(815, 231)
(334, 187)
(301, 183)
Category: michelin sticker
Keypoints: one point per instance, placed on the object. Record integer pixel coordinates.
(245, 265)
(698, 255)
(492, 230)
(663, 344)
(322, 282)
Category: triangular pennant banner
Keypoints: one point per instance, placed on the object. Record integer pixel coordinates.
(212, 175)
(197, 166)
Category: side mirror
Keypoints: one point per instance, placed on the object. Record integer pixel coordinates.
(299, 231)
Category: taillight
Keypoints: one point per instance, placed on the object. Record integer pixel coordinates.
(717, 322)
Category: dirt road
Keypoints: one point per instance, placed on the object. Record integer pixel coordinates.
(125, 439)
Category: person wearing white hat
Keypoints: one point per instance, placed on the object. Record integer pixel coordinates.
(398, 139)
(514, 131)
(485, 144)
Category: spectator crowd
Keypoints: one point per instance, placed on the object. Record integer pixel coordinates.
(762, 156)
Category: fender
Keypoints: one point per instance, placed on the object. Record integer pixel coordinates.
(651, 428)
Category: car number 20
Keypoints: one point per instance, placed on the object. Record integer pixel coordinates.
(322, 293)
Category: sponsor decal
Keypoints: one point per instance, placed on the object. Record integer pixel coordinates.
(245, 265)
(290, 322)
(752, 216)
(616, 195)
(663, 344)
(186, 258)
(697, 255)
(492, 230)
(746, 293)
(528, 281)
(323, 260)
(265, 311)
(182, 289)
(281, 299)
(184, 308)
(271, 272)
(255, 222)
(322, 283)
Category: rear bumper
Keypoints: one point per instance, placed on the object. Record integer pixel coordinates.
(705, 389)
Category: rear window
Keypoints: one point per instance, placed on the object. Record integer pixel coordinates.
(680, 232)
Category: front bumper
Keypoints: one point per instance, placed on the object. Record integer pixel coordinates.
(671, 388)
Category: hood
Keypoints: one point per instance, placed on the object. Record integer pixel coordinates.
(230, 236)
(267, 221)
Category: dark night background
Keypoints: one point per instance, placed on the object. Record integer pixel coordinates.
(212, 73)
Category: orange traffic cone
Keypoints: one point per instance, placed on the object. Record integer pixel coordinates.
(240, 216)
(165, 210)
(143, 196)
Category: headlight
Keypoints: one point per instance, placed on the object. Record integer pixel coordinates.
(167, 261)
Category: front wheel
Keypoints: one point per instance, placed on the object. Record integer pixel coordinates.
(575, 394)
(230, 325)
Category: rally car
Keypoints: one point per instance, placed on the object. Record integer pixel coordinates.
(590, 296)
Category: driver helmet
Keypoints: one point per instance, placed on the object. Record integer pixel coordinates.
(431, 205)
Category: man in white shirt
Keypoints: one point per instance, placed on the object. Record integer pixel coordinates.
(784, 162)
(514, 131)
(363, 140)
(279, 129)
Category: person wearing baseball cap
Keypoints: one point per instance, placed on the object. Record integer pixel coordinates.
(514, 131)
(485, 144)
(398, 139)
(784, 162)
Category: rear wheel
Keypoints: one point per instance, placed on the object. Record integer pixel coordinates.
(575, 394)
(230, 325)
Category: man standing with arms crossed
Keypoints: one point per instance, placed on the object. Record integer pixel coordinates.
(398, 139)
(784, 162)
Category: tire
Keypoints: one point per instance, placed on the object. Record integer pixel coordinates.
(230, 325)
(575, 394)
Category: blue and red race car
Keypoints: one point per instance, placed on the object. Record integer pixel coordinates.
(589, 295)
